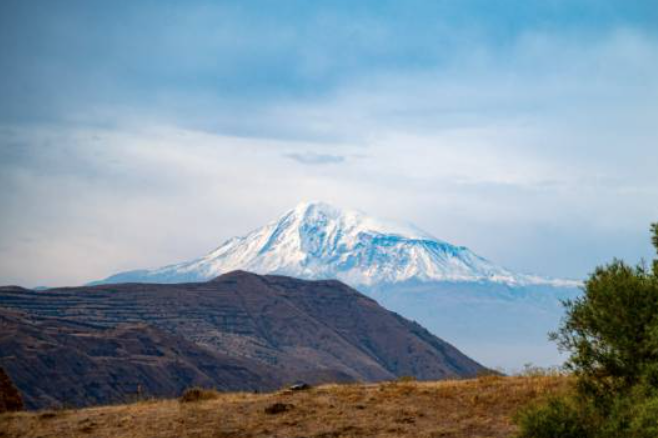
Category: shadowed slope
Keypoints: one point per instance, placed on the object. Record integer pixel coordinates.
(56, 363)
(304, 330)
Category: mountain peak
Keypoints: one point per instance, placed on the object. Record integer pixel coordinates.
(325, 213)
(306, 207)
(316, 240)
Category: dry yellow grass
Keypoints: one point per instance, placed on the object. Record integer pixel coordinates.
(468, 408)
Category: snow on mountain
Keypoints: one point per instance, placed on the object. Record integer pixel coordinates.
(497, 316)
(316, 241)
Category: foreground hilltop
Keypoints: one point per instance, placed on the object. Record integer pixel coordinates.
(240, 331)
(481, 408)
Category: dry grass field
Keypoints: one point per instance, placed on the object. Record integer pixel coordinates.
(481, 407)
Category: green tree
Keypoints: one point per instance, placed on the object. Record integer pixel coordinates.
(611, 333)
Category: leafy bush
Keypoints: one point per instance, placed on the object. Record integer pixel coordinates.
(612, 335)
(198, 394)
(612, 331)
(559, 417)
(644, 419)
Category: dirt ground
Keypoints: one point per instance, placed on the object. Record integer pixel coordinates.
(481, 407)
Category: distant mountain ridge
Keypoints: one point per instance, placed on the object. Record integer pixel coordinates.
(316, 240)
(237, 331)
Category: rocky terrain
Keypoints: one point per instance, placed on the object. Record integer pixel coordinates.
(56, 363)
(96, 344)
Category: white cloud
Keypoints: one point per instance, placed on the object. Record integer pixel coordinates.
(540, 156)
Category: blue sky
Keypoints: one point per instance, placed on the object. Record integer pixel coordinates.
(138, 133)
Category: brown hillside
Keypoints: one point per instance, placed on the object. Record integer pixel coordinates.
(57, 363)
(10, 398)
(298, 330)
(449, 409)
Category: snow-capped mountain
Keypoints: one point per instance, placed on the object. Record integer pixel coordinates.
(495, 315)
(316, 240)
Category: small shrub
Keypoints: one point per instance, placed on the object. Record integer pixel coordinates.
(559, 417)
(406, 379)
(278, 408)
(198, 394)
(47, 415)
(530, 370)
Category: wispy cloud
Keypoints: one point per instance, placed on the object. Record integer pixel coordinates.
(313, 158)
